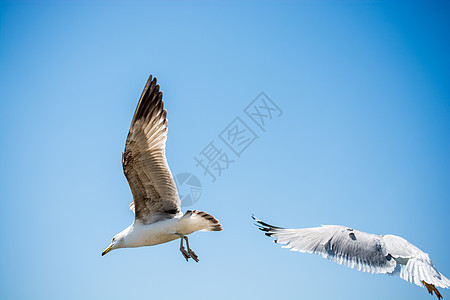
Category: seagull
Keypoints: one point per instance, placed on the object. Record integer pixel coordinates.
(386, 254)
(156, 204)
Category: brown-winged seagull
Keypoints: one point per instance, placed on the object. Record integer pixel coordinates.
(156, 204)
(386, 254)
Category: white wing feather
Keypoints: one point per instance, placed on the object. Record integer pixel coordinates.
(366, 252)
(413, 265)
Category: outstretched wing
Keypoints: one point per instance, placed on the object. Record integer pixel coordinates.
(144, 161)
(414, 265)
(352, 248)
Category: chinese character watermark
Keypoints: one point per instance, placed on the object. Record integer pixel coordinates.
(238, 136)
(213, 161)
(217, 157)
(262, 110)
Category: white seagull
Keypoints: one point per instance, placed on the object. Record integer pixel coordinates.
(386, 254)
(156, 204)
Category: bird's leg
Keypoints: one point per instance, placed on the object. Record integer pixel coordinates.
(182, 250)
(191, 253)
(430, 288)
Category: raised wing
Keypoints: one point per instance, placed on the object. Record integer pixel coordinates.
(343, 245)
(144, 161)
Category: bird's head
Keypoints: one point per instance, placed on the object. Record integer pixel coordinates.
(116, 242)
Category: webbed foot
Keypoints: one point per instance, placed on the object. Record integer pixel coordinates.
(431, 288)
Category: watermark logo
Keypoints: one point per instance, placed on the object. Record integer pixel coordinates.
(189, 188)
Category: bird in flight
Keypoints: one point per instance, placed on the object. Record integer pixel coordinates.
(156, 204)
(386, 254)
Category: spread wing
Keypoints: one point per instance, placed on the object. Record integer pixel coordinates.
(144, 161)
(352, 248)
(364, 251)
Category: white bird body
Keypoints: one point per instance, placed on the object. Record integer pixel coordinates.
(386, 254)
(139, 234)
(156, 204)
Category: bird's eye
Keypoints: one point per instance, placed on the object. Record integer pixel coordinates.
(113, 239)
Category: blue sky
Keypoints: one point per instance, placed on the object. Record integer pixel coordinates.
(363, 141)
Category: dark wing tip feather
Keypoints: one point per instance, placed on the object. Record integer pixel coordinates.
(150, 101)
(268, 229)
(150, 104)
(264, 225)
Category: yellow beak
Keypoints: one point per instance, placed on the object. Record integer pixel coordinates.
(107, 250)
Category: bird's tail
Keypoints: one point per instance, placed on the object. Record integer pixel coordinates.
(200, 220)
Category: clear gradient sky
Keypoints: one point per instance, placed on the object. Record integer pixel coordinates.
(363, 141)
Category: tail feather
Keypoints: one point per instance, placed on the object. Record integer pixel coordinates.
(203, 220)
